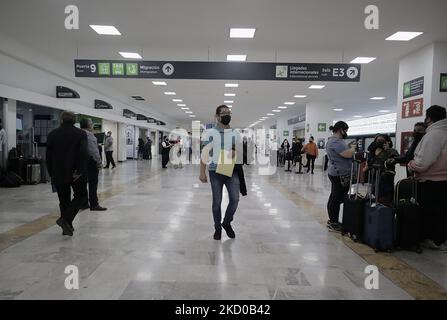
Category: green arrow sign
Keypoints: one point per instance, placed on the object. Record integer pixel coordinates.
(322, 127)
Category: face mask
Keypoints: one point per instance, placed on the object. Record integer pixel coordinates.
(380, 144)
(344, 135)
(225, 119)
(426, 122)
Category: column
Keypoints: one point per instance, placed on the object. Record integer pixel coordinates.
(319, 117)
(121, 143)
(9, 122)
(425, 64)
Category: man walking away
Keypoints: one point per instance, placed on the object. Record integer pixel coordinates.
(430, 167)
(93, 166)
(108, 149)
(166, 147)
(67, 158)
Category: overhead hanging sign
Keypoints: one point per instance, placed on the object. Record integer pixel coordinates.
(67, 93)
(100, 104)
(218, 70)
(298, 119)
(414, 88)
(129, 113)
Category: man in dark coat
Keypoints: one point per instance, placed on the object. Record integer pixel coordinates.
(67, 158)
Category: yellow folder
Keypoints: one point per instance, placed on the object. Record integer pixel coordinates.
(226, 162)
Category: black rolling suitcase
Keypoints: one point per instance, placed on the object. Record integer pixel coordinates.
(354, 209)
(408, 215)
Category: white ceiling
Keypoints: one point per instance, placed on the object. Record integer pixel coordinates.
(197, 30)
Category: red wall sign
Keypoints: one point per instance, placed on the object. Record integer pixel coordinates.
(413, 108)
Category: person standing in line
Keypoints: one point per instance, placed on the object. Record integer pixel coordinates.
(93, 166)
(108, 149)
(430, 168)
(340, 160)
(233, 183)
(67, 158)
(147, 149)
(166, 147)
(418, 134)
(140, 149)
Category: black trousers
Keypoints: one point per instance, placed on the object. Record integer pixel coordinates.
(93, 173)
(109, 159)
(336, 198)
(164, 158)
(70, 207)
(433, 201)
(310, 163)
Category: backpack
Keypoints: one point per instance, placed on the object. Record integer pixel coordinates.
(9, 179)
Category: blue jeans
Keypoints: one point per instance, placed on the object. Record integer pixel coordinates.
(232, 184)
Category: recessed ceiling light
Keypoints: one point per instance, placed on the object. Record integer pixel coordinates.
(384, 111)
(338, 110)
(270, 114)
(363, 60)
(229, 94)
(317, 86)
(177, 100)
(131, 55)
(230, 106)
(378, 98)
(189, 112)
(192, 116)
(300, 96)
(170, 93)
(403, 36)
(181, 105)
(185, 108)
(229, 101)
(159, 83)
(282, 107)
(289, 103)
(242, 32)
(236, 57)
(106, 30)
(231, 85)
(276, 110)
(358, 117)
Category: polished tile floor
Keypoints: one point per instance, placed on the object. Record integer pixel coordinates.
(155, 242)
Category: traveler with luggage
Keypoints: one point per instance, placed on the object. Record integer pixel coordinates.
(379, 156)
(67, 158)
(108, 149)
(430, 168)
(93, 166)
(311, 151)
(340, 160)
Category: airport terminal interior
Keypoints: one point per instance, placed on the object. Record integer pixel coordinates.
(321, 100)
